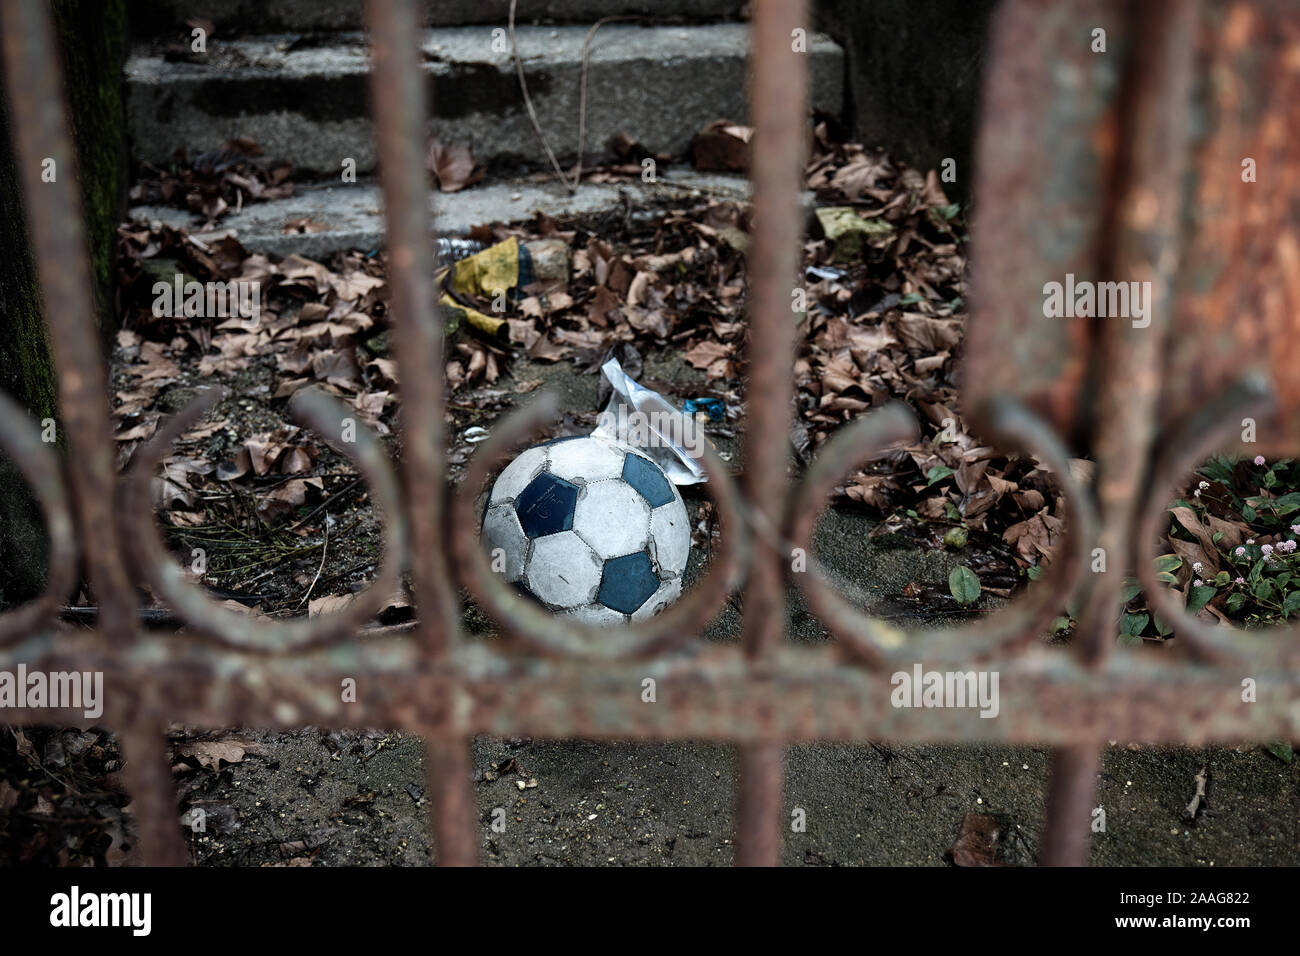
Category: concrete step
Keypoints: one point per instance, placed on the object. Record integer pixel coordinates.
(168, 17)
(351, 216)
(309, 104)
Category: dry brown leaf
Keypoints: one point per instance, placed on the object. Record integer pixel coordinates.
(722, 146)
(212, 753)
(921, 334)
(329, 604)
(1030, 538)
(453, 165)
(705, 353)
(1188, 519)
(976, 841)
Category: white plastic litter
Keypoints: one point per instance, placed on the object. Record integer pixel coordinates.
(643, 419)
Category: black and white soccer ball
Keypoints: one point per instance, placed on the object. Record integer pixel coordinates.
(590, 528)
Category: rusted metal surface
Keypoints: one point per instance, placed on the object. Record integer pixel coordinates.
(1080, 156)
(1058, 117)
(397, 88)
(146, 767)
(760, 782)
(1239, 287)
(779, 95)
(1143, 221)
(779, 106)
(398, 101)
(713, 692)
(1069, 805)
(1045, 151)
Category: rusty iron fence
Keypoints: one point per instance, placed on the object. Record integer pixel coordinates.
(1123, 165)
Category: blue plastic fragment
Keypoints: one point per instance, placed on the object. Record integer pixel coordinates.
(713, 406)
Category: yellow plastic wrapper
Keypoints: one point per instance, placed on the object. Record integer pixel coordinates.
(502, 268)
(850, 232)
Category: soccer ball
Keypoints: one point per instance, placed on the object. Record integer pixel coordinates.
(590, 528)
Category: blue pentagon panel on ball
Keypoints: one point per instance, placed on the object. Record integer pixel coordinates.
(546, 505)
(627, 582)
(518, 474)
(649, 479)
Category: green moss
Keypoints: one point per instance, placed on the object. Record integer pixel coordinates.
(92, 34)
(93, 42)
(30, 378)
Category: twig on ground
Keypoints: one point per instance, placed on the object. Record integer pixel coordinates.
(582, 90)
(325, 504)
(528, 102)
(324, 550)
(572, 187)
(1195, 805)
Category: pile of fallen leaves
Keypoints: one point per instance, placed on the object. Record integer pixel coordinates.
(62, 799)
(884, 286)
(885, 277)
(312, 319)
(214, 183)
(236, 491)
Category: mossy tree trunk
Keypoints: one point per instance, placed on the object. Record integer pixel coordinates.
(92, 38)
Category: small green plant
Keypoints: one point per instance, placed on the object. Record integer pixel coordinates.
(956, 537)
(1234, 548)
(964, 585)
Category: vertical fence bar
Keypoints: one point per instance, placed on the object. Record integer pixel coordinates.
(759, 813)
(1142, 220)
(397, 88)
(778, 94)
(1068, 825)
(153, 794)
(447, 774)
(41, 132)
(398, 98)
(778, 80)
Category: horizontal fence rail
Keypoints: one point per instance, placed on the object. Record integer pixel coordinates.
(1035, 386)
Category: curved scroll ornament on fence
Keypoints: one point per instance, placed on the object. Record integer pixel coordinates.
(158, 567)
(1215, 429)
(879, 643)
(39, 466)
(561, 636)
